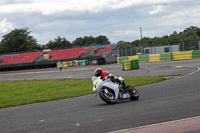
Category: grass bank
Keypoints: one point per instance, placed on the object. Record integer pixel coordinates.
(14, 93)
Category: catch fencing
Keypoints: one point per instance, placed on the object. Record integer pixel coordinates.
(183, 55)
(159, 49)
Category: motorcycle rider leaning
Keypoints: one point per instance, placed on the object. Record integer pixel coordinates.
(106, 74)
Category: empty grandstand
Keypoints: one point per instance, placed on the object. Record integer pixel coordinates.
(49, 58)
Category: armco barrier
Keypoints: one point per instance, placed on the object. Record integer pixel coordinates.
(182, 55)
(154, 57)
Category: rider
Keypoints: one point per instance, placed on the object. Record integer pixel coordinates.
(103, 74)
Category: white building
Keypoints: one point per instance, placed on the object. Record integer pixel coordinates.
(162, 49)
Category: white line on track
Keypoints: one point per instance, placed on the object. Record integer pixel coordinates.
(128, 129)
(198, 69)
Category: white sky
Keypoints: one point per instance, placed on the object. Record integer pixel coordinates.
(117, 19)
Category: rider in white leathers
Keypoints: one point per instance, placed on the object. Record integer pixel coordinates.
(106, 74)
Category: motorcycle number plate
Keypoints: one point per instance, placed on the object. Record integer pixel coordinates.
(126, 95)
(95, 86)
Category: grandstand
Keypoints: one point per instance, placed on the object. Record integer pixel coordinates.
(49, 58)
(106, 50)
(20, 58)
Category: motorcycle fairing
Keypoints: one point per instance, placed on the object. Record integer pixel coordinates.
(112, 86)
(98, 84)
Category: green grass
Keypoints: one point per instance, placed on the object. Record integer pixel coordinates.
(14, 93)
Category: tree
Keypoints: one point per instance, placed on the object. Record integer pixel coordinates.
(18, 40)
(88, 40)
(198, 32)
(102, 40)
(59, 43)
(78, 42)
(91, 41)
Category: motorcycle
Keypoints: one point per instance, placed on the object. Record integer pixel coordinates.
(111, 92)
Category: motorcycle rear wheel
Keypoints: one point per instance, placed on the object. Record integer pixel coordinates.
(134, 94)
(108, 98)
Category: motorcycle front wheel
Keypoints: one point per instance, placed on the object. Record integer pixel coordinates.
(134, 94)
(107, 96)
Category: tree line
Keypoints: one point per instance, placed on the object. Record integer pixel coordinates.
(190, 37)
(20, 40)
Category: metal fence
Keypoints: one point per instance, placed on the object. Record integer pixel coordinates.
(158, 49)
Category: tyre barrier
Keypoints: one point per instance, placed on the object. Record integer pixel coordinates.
(133, 57)
(130, 64)
(154, 57)
(195, 54)
(59, 64)
(121, 59)
(126, 65)
(182, 55)
(166, 57)
(144, 58)
(163, 57)
(72, 63)
(64, 64)
(135, 64)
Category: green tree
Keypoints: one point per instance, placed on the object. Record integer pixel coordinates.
(91, 41)
(102, 40)
(88, 40)
(198, 32)
(18, 40)
(78, 42)
(190, 36)
(59, 43)
(122, 44)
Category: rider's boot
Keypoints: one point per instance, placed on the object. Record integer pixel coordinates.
(124, 85)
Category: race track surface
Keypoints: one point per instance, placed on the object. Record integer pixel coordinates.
(146, 69)
(161, 102)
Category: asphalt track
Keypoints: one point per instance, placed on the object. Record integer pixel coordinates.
(146, 69)
(161, 102)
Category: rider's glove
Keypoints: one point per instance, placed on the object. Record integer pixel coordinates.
(110, 75)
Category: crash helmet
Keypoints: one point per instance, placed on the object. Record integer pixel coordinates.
(98, 72)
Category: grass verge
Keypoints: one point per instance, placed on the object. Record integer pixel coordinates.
(14, 93)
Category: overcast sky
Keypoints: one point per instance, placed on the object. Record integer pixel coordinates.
(116, 19)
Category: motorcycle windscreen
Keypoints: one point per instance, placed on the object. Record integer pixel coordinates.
(93, 78)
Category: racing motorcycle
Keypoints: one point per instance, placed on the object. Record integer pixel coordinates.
(111, 92)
